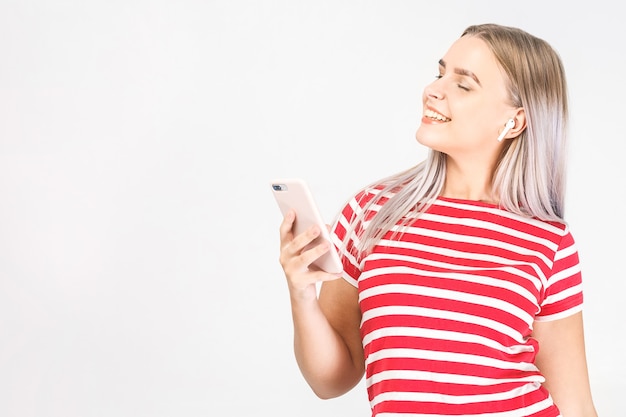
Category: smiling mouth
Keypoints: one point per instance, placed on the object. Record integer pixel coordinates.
(436, 116)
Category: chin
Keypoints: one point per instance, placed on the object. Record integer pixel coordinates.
(427, 140)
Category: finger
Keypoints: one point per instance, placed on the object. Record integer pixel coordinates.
(301, 274)
(323, 276)
(314, 252)
(292, 250)
(286, 227)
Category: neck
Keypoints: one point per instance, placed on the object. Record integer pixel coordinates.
(471, 181)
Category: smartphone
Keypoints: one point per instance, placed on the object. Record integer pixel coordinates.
(293, 193)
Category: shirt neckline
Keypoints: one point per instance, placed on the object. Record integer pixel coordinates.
(469, 202)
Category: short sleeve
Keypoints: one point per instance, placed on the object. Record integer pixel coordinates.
(345, 233)
(563, 295)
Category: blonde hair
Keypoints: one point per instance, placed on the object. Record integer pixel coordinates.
(529, 178)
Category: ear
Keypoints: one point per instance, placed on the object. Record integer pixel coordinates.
(519, 126)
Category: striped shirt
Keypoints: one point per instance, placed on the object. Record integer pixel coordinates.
(448, 308)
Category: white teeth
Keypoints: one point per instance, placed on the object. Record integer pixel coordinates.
(433, 115)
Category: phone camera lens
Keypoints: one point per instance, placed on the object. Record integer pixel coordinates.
(277, 187)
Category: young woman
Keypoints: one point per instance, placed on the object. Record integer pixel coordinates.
(461, 291)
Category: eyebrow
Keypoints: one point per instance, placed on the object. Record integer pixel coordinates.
(462, 71)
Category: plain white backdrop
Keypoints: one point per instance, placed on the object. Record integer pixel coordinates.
(139, 269)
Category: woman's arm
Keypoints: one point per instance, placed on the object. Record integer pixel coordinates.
(327, 342)
(339, 302)
(562, 360)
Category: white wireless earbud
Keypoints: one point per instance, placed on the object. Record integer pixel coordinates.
(508, 126)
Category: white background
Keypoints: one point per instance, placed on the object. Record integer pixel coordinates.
(139, 269)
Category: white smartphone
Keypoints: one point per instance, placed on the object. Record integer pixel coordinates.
(293, 193)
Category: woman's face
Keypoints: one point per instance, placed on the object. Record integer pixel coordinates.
(466, 107)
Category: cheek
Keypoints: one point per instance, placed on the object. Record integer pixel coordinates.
(475, 131)
(477, 120)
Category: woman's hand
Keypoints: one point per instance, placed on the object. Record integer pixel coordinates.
(295, 259)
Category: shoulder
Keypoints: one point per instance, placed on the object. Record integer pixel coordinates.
(377, 193)
(500, 220)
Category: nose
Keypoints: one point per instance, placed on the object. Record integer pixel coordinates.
(434, 91)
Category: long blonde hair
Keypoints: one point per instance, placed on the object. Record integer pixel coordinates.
(529, 178)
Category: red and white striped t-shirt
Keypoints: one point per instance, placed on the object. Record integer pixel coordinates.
(448, 308)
